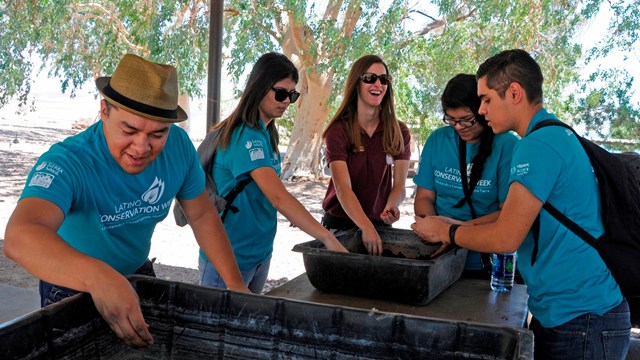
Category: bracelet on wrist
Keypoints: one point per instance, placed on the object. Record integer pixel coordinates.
(452, 234)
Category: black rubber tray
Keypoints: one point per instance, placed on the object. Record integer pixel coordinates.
(193, 322)
(404, 273)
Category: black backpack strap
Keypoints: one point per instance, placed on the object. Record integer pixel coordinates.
(535, 230)
(232, 196)
(552, 210)
(462, 156)
(569, 224)
(562, 219)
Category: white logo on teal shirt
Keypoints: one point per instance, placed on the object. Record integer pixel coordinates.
(256, 154)
(46, 172)
(41, 179)
(139, 210)
(154, 193)
(520, 169)
(49, 167)
(253, 143)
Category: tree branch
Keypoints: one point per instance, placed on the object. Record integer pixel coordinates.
(438, 23)
(109, 19)
(435, 24)
(351, 17)
(423, 14)
(332, 10)
(301, 36)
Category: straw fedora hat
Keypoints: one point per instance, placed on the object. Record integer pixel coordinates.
(144, 88)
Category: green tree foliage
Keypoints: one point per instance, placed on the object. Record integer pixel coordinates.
(81, 40)
(424, 45)
(446, 38)
(604, 103)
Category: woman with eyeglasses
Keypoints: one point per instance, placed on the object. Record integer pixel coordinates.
(463, 172)
(367, 150)
(249, 149)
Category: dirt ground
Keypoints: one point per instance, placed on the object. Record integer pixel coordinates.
(173, 247)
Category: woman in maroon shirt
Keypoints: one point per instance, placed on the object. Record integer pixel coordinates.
(367, 150)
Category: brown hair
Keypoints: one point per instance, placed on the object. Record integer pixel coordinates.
(392, 140)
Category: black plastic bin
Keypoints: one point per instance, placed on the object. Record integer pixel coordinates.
(404, 273)
(193, 322)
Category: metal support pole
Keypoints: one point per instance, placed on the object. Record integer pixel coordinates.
(216, 9)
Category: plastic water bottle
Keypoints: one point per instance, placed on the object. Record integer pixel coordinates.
(503, 267)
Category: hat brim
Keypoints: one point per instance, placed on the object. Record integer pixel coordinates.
(101, 84)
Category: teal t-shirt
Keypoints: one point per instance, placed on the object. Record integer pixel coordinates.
(569, 278)
(252, 229)
(439, 171)
(109, 214)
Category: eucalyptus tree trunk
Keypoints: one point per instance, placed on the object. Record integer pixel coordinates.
(303, 156)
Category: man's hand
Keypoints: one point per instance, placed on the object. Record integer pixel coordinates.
(440, 218)
(431, 229)
(372, 241)
(119, 305)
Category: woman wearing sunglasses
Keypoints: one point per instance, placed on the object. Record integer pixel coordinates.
(367, 150)
(464, 168)
(249, 149)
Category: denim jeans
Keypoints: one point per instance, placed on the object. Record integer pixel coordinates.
(51, 293)
(255, 278)
(588, 336)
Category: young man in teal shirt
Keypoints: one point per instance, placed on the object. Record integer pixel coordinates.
(91, 203)
(578, 309)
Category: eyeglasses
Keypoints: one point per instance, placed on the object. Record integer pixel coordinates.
(464, 122)
(370, 78)
(282, 94)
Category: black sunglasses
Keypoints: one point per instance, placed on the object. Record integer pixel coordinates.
(370, 78)
(282, 94)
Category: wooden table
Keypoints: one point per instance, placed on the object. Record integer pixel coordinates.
(465, 300)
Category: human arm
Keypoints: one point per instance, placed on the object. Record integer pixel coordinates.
(505, 234)
(352, 207)
(272, 187)
(212, 239)
(424, 203)
(32, 242)
(423, 206)
(391, 212)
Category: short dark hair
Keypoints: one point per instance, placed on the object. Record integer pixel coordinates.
(462, 92)
(511, 66)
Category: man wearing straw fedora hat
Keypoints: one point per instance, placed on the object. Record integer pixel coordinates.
(90, 204)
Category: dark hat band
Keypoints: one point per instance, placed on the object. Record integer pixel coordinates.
(109, 92)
